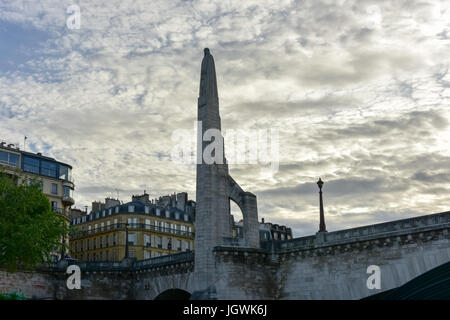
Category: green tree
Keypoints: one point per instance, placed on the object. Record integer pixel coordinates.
(29, 230)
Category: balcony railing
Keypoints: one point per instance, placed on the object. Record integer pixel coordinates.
(61, 211)
(133, 226)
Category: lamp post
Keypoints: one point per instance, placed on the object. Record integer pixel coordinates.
(126, 240)
(322, 227)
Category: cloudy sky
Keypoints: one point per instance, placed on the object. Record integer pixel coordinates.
(358, 90)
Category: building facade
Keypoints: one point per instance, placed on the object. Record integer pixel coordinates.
(154, 227)
(267, 231)
(55, 177)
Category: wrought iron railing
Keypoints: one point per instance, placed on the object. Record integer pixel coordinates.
(61, 211)
(131, 227)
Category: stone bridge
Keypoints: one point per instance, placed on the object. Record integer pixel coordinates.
(314, 267)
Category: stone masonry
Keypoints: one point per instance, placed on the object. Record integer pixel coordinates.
(333, 267)
(215, 189)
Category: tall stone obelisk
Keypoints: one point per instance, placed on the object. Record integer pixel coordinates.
(212, 218)
(215, 189)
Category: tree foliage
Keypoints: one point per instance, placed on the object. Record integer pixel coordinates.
(29, 230)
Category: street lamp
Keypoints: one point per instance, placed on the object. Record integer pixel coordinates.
(126, 240)
(322, 227)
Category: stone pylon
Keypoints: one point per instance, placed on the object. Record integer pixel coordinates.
(215, 189)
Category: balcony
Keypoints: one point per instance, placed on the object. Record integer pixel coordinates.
(61, 211)
(67, 200)
(138, 226)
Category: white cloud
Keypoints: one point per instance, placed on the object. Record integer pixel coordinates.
(357, 92)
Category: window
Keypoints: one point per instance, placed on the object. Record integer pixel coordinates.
(159, 241)
(13, 160)
(31, 165)
(132, 222)
(158, 211)
(65, 173)
(107, 225)
(147, 209)
(48, 169)
(54, 205)
(102, 226)
(132, 239)
(115, 223)
(9, 159)
(147, 223)
(117, 210)
(167, 214)
(146, 254)
(68, 191)
(4, 157)
(89, 229)
(130, 208)
(54, 188)
(186, 217)
(147, 240)
(33, 182)
(179, 245)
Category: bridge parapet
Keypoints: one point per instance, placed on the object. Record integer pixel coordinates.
(132, 265)
(404, 231)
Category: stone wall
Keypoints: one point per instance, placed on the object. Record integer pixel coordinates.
(330, 266)
(245, 274)
(340, 271)
(39, 285)
(123, 284)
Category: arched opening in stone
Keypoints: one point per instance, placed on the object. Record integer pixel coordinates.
(236, 212)
(173, 294)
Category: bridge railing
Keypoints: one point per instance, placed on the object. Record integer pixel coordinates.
(182, 257)
(399, 227)
(187, 256)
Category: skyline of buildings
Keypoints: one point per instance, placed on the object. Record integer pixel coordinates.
(156, 227)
